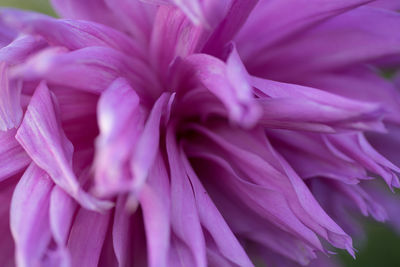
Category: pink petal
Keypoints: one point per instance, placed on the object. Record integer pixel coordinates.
(30, 216)
(42, 138)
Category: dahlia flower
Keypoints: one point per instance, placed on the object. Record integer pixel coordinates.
(196, 132)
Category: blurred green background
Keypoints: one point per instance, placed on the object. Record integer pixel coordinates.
(383, 246)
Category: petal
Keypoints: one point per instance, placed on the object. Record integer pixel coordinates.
(41, 136)
(210, 218)
(184, 215)
(260, 171)
(147, 145)
(318, 49)
(29, 218)
(121, 122)
(154, 200)
(12, 155)
(236, 16)
(357, 147)
(10, 106)
(121, 233)
(21, 48)
(266, 27)
(90, 69)
(72, 34)
(201, 70)
(85, 246)
(297, 107)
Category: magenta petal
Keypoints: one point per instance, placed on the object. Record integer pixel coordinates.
(10, 106)
(84, 245)
(184, 215)
(121, 232)
(227, 82)
(12, 155)
(155, 203)
(41, 129)
(215, 224)
(121, 122)
(20, 48)
(291, 106)
(30, 216)
(147, 145)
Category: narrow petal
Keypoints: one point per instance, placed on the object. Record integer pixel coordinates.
(293, 17)
(10, 105)
(184, 215)
(121, 233)
(21, 48)
(12, 155)
(72, 34)
(147, 145)
(41, 136)
(236, 16)
(121, 122)
(85, 246)
(212, 220)
(30, 216)
(90, 69)
(155, 204)
(224, 82)
(311, 109)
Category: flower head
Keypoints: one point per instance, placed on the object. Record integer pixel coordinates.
(195, 133)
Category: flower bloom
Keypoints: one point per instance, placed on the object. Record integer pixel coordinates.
(196, 133)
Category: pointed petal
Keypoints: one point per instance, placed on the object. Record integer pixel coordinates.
(10, 105)
(155, 204)
(184, 215)
(212, 220)
(121, 233)
(311, 109)
(85, 246)
(41, 136)
(222, 81)
(12, 155)
(147, 145)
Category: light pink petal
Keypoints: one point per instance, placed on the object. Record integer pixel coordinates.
(10, 105)
(29, 218)
(184, 215)
(121, 122)
(87, 237)
(43, 139)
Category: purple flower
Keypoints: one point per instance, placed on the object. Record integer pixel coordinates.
(196, 133)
